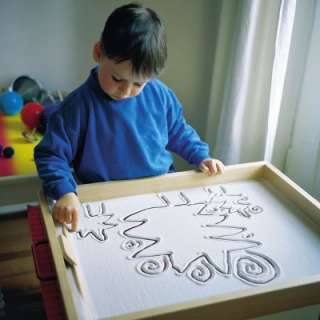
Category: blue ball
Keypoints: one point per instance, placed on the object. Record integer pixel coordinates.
(10, 102)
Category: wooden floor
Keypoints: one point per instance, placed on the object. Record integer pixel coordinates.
(18, 281)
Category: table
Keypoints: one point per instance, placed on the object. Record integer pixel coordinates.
(11, 128)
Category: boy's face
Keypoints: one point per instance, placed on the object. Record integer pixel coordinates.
(117, 79)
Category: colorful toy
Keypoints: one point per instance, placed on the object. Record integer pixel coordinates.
(8, 152)
(30, 89)
(31, 113)
(30, 136)
(11, 102)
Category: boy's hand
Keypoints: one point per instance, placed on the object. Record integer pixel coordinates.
(211, 166)
(66, 210)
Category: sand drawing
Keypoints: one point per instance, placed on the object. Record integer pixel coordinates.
(100, 218)
(191, 238)
(178, 236)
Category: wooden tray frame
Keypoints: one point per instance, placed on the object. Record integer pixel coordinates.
(246, 304)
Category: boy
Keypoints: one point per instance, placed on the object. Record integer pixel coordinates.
(121, 123)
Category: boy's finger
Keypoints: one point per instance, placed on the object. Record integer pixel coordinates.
(205, 169)
(214, 167)
(68, 217)
(63, 215)
(74, 222)
(220, 167)
(60, 215)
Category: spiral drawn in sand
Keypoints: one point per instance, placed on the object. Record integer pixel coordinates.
(253, 209)
(152, 266)
(200, 272)
(131, 244)
(255, 268)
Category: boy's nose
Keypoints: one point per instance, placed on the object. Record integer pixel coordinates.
(125, 90)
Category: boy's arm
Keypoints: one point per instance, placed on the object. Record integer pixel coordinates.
(53, 157)
(182, 138)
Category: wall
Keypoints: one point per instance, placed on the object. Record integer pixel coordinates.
(297, 60)
(303, 159)
(52, 42)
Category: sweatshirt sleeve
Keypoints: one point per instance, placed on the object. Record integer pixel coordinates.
(182, 138)
(56, 151)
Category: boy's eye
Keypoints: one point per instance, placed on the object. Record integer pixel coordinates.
(116, 79)
(138, 85)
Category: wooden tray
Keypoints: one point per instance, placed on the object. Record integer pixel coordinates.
(295, 279)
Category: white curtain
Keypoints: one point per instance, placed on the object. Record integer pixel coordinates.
(253, 42)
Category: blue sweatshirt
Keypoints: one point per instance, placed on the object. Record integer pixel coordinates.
(104, 139)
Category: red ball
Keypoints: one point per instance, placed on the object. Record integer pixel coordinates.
(30, 114)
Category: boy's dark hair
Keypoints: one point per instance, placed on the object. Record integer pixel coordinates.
(133, 32)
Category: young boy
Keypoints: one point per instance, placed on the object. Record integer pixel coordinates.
(122, 123)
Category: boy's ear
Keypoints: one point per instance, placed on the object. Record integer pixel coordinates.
(97, 52)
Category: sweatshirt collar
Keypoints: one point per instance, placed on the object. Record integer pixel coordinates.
(93, 82)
